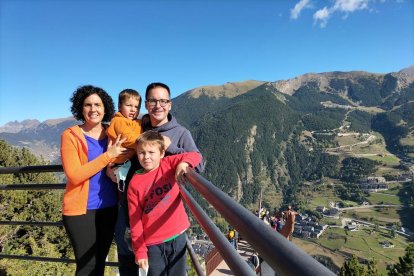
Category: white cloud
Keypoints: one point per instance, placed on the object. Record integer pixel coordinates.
(349, 6)
(343, 6)
(302, 4)
(321, 16)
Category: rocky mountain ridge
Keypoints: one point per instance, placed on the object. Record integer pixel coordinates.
(192, 108)
(16, 126)
(42, 138)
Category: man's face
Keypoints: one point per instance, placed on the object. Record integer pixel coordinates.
(158, 113)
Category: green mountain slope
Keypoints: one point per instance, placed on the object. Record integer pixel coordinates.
(255, 139)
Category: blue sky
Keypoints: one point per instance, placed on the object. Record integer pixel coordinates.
(49, 48)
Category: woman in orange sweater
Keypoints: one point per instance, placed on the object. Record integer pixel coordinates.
(90, 199)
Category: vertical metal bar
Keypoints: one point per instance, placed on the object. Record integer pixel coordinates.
(227, 251)
(194, 259)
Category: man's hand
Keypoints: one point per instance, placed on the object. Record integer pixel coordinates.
(167, 141)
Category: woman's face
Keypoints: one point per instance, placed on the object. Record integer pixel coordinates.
(93, 110)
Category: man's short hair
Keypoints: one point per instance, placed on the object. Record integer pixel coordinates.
(155, 85)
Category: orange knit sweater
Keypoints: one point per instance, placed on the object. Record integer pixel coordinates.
(74, 155)
(129, 129)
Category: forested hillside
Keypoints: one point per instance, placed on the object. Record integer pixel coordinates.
(35, 205)
(276, 135)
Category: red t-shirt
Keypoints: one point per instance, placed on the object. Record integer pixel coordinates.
(156, 211)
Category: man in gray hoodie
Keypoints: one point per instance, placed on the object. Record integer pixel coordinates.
(177, 138)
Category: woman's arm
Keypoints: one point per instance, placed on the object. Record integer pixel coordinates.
(77, 172)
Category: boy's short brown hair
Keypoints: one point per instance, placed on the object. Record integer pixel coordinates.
(151, 137)
(127, 94)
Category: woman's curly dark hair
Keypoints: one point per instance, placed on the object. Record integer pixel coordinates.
(85, 91)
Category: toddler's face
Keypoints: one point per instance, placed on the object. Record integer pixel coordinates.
(129, 108)
(149, 155)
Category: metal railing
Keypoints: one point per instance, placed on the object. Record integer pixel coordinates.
(60, 186)
(283, 256)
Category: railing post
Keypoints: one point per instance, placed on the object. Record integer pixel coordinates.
(194, 259)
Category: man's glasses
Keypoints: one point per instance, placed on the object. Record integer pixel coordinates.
(153, 102)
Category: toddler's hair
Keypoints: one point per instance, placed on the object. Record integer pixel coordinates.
(127, 94)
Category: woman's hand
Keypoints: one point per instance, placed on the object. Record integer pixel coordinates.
(116, 149)
(180, 172)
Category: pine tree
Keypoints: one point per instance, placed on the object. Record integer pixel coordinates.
(32, 205)
(372, 268)
(352, 268)
(406, 264)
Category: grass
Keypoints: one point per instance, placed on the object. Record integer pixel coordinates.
(372, 150)
(369, 149)
(333, 239)
(322, 196)
(347, 140)
(383, 198)
(389, 160)
(319, 201)
(371, 110)
(380, 215)
(313, 248)
(394, 189)
(330, 221)
(364, 245)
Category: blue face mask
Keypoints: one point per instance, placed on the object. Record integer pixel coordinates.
(121, 173)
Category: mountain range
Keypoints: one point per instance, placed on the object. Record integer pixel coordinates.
(272, 134)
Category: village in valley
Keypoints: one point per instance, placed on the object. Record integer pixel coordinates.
(307, 226)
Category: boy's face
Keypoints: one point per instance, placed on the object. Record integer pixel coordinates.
(149, 155)
(129, 108)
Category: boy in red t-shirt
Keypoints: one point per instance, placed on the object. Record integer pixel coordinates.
(156, 212)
